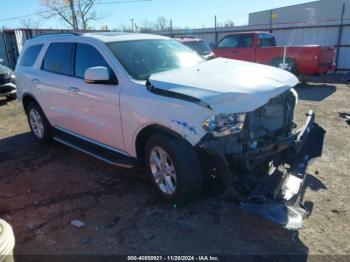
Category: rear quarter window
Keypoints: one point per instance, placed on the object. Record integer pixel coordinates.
(30, 55)
(58, 58)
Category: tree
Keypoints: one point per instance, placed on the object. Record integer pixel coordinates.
(146, 26)
(28, 23)
(161, 23)
(229, 23)
(76, 13)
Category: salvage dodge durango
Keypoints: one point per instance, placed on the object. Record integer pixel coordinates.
(138, 99)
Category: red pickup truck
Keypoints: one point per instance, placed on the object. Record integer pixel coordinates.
(260, 47)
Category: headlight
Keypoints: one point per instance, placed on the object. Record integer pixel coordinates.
(224, 124)
(12, 78)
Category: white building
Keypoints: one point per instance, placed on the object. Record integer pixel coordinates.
(323, 10)
(324, 22)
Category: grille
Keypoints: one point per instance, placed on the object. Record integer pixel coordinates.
(5, 89)
(4, 79)
(275, 115)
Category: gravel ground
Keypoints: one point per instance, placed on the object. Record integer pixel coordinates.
(43, 188)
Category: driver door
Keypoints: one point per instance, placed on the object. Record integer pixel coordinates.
(237, 46)
(95, 107)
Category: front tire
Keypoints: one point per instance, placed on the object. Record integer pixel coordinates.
(38, 123)
(174, 168)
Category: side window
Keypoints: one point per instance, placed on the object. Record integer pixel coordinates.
(30, 55)
(266, 40)
(229, 42)
(87, 56)
(236, 41)
(245, 41)
(58, 58)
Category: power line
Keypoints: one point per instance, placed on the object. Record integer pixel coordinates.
(49, 11)
(122, 2)
(24, 16)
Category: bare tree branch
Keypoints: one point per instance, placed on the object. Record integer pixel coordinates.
(29, 23)
(229, 23)
(146, 26)
(76, 13)
(161, 23)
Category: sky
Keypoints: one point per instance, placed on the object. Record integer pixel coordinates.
(184, 13)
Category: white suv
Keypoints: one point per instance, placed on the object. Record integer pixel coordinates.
(137, 99)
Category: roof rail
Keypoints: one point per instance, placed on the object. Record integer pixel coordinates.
(59, 33)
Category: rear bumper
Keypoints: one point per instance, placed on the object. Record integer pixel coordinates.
(326, 68)
(316, 68)
(278, 195)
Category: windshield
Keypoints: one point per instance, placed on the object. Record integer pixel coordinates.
(142, 58)
(200, 47)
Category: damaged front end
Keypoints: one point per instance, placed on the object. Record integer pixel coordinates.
(263, 166)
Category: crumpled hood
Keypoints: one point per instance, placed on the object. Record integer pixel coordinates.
(226, 85)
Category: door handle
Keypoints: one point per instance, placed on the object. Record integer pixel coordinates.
(35, 80)
(74, 89)
(234, 52)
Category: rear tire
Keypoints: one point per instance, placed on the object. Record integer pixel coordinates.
(38, 123)
(177, 178)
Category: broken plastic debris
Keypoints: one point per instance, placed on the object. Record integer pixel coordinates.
(291, 187)
(77, 223)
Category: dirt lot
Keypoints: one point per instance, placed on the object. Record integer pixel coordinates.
(43, 188)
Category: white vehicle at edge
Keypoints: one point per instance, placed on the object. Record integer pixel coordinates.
(131, 99)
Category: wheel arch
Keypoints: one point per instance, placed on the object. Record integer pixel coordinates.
(145, 133)
(28, 98)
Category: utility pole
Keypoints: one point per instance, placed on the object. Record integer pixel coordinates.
(215, 29)
(132, 24)
(171, 28)
(271, 13)
(340, 33)
(6, 48)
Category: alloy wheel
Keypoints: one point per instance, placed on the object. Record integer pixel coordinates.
(36, 123)
(163, 170)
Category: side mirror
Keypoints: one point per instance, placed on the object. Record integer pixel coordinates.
(98, 75)
(1, 60)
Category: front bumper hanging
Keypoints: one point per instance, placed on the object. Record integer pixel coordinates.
(278, 197)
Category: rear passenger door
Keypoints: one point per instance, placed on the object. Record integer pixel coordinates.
(265, 51)
(52, 83)
(95, 107)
